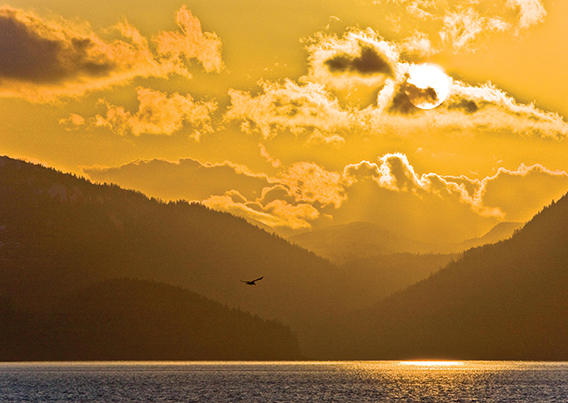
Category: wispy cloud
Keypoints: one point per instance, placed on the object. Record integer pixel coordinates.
(275, 162)
(530, 12)
(45, 59)
(458, 25)
(72, 122)
(462, 28)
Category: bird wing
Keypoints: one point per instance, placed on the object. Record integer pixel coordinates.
(260, 278)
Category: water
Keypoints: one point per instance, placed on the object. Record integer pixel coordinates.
(355, 381)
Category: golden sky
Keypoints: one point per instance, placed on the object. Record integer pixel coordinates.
(296, 113)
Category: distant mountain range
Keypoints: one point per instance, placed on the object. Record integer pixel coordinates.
(97, 272)
(359, 240)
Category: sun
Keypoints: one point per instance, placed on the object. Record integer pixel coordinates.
(427, 85)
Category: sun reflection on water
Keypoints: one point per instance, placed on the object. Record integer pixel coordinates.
(432, 363)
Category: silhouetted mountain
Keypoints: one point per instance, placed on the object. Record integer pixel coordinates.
(500, 232)
(359, 240)
(142, 320)
(382, 275)
(59, 233)
(503, 301)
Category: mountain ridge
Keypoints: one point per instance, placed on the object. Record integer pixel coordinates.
(358, 240)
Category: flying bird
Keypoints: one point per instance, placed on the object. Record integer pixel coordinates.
(252, 282)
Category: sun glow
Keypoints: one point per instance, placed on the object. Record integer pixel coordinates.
(427, 363)
(427, 85)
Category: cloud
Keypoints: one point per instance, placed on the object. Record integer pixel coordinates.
(288, 106)
(430, 205)
(159, 114)
(390, 192)
(46, 59)
(41, 52)
(310, 182)
(279, 215)
(419, 95)
(324, 107)
(520, 193)
(72, 122)
(458, 25)
(191, 43)
(462, 28)
(417, 45)
(317, 111)
(531, 12)
(186, 179)
(264, 153)
(487, 108)
(232, 188)
(358, 58)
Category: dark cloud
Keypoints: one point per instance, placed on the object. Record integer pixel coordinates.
(198, 180)
(420, 95)
(465, 105)
(368, 62)
(44, 59)
(36, 52)
(400, 103)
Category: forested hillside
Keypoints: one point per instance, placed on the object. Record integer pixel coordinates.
(140, 320)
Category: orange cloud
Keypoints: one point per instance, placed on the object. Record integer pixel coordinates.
(184, 179)
(72, 122)
(264, 153)
(457, 25)
(46, 59)
(359, 58)
(278, 214)
(520, 193)
(463, 27)
(324, 114)
(159, 114)
(473, 109)
(288, 106)
(430, 206)
(309, 182)
(191, 43)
